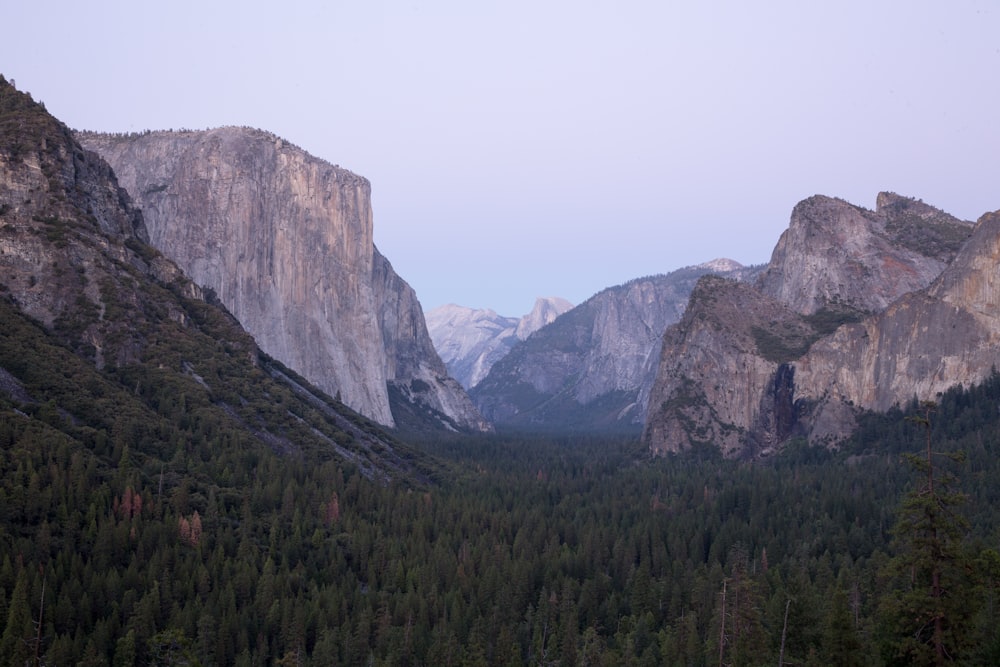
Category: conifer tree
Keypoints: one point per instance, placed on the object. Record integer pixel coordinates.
(15, 643)
(928, 612)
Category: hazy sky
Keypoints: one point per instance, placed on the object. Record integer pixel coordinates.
(547, 148)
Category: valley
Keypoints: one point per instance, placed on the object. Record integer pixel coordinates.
(226, 437)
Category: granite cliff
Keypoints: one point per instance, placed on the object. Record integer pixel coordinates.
(107, 346)
(284, 240)
(921, 345)
(593, 367)
(471, 340)
(750, 366)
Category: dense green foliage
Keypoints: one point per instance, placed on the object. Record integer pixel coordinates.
(174, 538)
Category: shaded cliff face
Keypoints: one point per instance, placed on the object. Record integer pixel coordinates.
(416, 374)
(471, 340)
(828, 329)
(285, 241)
(593, 367)
(715, 364)
(67, 234)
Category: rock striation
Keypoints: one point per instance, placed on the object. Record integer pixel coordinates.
(284, 240)
(849, 314)
(471, 340)
(593, 367)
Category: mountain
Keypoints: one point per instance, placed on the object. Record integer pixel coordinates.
(592, 368)
(110, 351)
(825, 332)
(471, 340)
(284, 240)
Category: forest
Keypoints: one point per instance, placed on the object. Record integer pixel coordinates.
(159, 531)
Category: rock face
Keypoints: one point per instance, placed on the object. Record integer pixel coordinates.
(65, 230)
(285, 241)
(471, 340)
(112, 334)
(592, 368)
(714, 366)
(837, 255)
(825, 331)
(922, 344)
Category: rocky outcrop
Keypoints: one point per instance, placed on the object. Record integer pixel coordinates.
(716, 365)
(471, 340)
(285, 241)
(923, 344)
(825, 331)
(837, 255)
(67, 230)
(593, 367)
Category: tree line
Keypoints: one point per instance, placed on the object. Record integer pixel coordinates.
(542, 551)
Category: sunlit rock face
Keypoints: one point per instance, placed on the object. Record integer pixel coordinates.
(285, 241)
(851, 313)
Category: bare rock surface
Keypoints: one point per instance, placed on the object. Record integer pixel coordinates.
(284, 239)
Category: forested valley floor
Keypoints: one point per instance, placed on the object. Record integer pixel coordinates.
(197, 545)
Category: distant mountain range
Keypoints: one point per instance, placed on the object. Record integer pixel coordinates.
(471, 340)
(592, 368)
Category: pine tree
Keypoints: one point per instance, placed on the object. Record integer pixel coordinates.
(929, 610)
(16, 641)
(840, 639)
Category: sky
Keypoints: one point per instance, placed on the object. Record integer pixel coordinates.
(520, 149)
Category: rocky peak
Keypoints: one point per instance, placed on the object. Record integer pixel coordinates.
(471, 340)
(923, 344)
(841, 319)
(841, 256)
(720, 265)
(714, 365)
(72, 245)
(546, 310)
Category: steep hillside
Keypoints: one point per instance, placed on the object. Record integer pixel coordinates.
(471, 340)
(825, 332)
(593, 367)
(108, 346)
(285, 242)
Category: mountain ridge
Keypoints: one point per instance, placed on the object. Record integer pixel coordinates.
(591, 368)
(797, 338)
(471, 340)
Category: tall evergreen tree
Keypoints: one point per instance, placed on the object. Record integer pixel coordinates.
(16, 641)
(928, 611)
